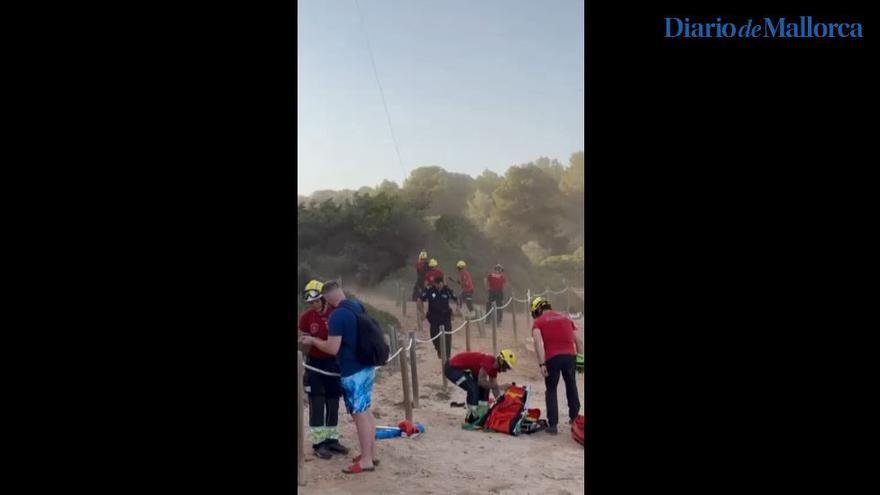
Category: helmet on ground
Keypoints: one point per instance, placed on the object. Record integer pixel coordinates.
(538, 305)
(508, 357)
(312, 292)
(461, 264)
(423, 255)
(433, 263)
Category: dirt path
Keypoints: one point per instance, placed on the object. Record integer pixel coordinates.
(446, 459)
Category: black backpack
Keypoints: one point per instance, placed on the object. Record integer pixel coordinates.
(371, 349)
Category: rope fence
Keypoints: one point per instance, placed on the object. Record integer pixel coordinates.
(413, 339)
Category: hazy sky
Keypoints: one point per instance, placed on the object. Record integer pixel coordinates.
(469, 85)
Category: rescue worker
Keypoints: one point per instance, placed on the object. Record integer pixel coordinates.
(433, 272)
(476, 373)
(357, 379)
(439, 312)
(558, 345)
(323, 391)
(421, 274)
(494, 284)
(467, 287)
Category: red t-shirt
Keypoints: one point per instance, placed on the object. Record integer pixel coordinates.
(496, 281)
(467, 283)
(557, 332)
(314, 323)
(421, 268)
(474, 361)
(429, 278)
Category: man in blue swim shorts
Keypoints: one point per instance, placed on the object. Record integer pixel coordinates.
(357, 379)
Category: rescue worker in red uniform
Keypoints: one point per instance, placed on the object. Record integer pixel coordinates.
(467, 287)
(324, 391)
(494, 283)
(559, 346)
(476, 373)
(421, 273)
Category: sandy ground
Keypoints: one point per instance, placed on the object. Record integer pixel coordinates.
(446, 459)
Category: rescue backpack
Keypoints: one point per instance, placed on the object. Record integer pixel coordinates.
(508, 413)
(577, 429)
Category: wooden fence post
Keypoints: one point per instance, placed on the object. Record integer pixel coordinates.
(494, 328)
(467, 335)
(407, 391)
(395, 344)
(403, 300)
(481, 323)
(528, 308)
(513, 317)
(444, 353)
(413, 362)
(300, 454)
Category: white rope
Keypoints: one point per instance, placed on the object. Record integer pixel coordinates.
(557, 292)
(429, 340)
(506, 305)
(410, 343)
(316, 370)
(484, 316)
(457, 329)
(520, 300)
(394, 355)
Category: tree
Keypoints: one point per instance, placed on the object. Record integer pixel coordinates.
(527, 207)
(573, 176)
(479, 209)
(487, 182)
(535, 252)
(388, 187)
(438, 191)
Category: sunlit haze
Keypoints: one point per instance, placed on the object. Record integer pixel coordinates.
(469, 85)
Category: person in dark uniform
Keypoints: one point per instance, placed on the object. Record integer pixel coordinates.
(438, 297)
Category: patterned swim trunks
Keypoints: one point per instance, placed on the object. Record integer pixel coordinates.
(357, 389)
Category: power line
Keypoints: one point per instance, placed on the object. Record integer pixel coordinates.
(381, 91)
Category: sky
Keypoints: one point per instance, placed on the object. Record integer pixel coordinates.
(469, 85)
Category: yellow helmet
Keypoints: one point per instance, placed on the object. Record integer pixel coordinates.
(433, 263)
(423, 255)
(461, 264)
(508, 357)
(538, 303)
(312, 292)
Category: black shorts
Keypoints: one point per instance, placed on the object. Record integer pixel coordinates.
(319, 383)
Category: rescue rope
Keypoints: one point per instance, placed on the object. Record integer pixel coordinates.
(394, 355)
(506, 305)
(407, 348)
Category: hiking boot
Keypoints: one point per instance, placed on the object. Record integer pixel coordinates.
(552, 430)
(323, 452)
(335, 446)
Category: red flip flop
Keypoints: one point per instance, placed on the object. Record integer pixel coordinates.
(358, 459)
(356, 468)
